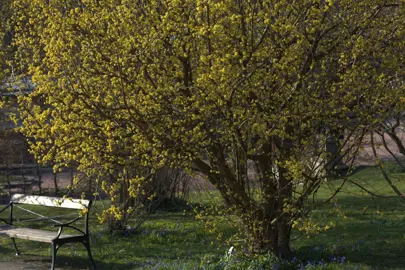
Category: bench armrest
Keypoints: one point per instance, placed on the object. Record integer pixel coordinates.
(68, 224)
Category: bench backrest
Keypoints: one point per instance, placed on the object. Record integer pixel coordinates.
(50, 201)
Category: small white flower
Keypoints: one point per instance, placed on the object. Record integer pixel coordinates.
(230, 251)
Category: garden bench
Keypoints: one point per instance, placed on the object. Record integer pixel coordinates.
(55, 238)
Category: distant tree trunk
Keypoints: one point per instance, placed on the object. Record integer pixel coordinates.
(39, 178)
(55, 181)
(333, 148)
(71, 176)
(22, 175)
(90, 185)
(8, 179)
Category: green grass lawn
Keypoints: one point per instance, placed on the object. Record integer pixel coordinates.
(369, 233)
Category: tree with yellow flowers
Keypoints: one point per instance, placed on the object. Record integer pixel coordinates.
(5, 15)
(224, 88)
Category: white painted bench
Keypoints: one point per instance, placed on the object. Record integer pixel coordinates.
(55, 238)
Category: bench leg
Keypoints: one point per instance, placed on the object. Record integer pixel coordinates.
(87, 245)
(54, 250)
(17, 253)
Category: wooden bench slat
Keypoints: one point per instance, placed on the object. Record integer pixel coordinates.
(50, 201)
(31, 234)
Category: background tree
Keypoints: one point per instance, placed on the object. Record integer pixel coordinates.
(388, 148)
(214, 87)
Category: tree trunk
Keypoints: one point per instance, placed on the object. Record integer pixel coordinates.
(55, 181)
(263, 235)
(284, 236)
(266, 224)
(122, 201)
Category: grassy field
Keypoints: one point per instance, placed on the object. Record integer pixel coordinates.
(368, 233)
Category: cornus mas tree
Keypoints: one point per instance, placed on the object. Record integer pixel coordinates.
(218, 87)
(4, 27)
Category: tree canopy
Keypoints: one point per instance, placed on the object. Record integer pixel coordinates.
(218, 87)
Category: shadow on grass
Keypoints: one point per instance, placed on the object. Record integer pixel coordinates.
(68, 263)
(368, 231)
(357, 169)
(358, 242)
(166, 243)
(6, 250)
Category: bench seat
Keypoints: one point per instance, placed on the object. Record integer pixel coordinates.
(32, 234)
